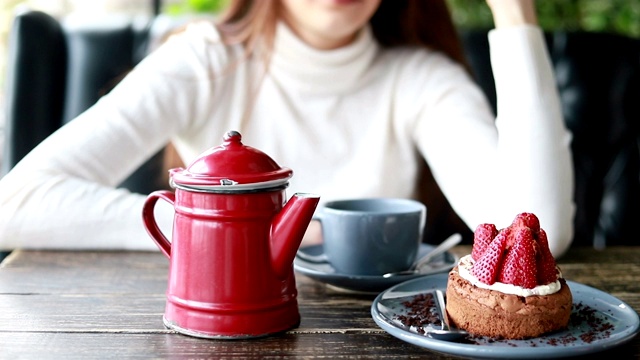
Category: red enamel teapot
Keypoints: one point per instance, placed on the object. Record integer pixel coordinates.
(234, 240)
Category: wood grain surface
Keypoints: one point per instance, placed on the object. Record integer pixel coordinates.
(103, 305)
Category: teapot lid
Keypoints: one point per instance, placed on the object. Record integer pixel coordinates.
(231, 166)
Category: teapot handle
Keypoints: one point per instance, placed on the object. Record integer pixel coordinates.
(150, 221)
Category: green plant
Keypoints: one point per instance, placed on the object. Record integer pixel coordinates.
(615, 16)
(195, 7)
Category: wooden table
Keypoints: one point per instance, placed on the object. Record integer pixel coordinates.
(82, 305)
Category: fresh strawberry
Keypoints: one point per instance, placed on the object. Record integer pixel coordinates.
(543, 241)
(528, 220)
(482, 237)
(517, 255)
(547, 269)
(520, 261)
(508, 233)
(487, 267)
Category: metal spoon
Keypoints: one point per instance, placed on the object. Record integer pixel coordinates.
(446, 333)
(450, 242)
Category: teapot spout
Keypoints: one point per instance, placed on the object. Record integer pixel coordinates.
(288, 228)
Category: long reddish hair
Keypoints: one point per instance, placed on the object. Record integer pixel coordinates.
(395, 23)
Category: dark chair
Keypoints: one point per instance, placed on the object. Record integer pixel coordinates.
(57, 69)
(598, 77)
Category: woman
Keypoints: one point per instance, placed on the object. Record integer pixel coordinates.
(350, 94)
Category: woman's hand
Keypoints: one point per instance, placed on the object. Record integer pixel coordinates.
(513, 12)
(313, 236)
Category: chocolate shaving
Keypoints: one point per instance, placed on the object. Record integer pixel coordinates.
(421, 312)
(585, 324)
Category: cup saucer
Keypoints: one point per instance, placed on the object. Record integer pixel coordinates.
(373, 284)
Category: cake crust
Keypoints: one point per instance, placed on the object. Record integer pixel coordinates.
(492, 313)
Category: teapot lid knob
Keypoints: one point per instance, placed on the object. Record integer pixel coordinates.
(233, 136)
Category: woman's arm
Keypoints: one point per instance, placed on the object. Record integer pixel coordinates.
(513, 12)
(63, 195)
(550, 153)
(521, 162)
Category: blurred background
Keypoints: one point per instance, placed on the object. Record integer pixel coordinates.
(613, 16)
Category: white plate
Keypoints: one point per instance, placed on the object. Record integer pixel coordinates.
(368, 283)
(388, 305)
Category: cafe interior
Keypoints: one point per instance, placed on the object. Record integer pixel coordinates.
(55, 67)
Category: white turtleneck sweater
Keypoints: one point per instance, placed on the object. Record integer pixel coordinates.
(350, 122)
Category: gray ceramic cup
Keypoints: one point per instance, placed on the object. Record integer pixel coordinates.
(371, 236)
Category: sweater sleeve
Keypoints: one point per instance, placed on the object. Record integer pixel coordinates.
(492, 169)
(63, 193)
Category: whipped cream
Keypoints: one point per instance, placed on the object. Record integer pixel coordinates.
(464, 269)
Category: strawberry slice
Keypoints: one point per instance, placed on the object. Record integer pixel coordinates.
(520, 266)
(482, 237)
(518, 254)
(547, 268)
(487, 267)
(526, 219)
